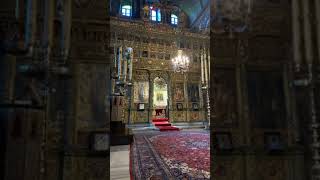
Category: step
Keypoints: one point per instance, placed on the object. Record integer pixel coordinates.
(168, 128)
(161, 122)
(160, 119)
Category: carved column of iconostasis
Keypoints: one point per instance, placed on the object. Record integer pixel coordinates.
(122, 84)
(205, 83)
(186, 98)
(170, 95)
(202, 88)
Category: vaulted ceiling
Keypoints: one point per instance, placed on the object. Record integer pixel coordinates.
(195, 9)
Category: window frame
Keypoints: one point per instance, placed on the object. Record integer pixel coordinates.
(174, 20)
(155, 14)
(125, 9)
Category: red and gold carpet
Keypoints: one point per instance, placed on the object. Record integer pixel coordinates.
(170, 155)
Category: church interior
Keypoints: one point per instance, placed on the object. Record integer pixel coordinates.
(159, 89)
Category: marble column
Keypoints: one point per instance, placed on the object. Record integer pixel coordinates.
(296, 33)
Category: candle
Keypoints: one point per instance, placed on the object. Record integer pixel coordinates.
(119, 61)
(209, 67)
(125, 68)
(115, 56)
(131, 64)
(205, 68)
(202, 70)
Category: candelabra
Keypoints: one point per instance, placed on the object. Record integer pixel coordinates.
(181, 62)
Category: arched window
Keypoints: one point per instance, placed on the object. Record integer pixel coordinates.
(126, 10)
(174, 19)
(155, 14)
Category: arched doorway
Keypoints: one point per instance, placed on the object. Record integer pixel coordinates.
(160, 98)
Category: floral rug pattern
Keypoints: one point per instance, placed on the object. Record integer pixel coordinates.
(171, 155)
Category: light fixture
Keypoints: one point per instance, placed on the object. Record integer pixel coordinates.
(180, 62)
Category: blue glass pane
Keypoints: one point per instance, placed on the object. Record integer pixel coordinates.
(159, 15)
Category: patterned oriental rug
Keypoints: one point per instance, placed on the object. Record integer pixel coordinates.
(170, 156)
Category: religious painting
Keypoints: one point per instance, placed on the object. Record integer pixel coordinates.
(153, 55)
(100, 142)
(159, 97)
(194, 116)
(179, 106)
(193, 92)
(167, 57)
(195, 106)
(266, 99)
(160, 56)
(140, 106)
(145, 54)
(178, 93)
(141, 92)
(224, 98)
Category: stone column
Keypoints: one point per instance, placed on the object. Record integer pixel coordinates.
(296, 33)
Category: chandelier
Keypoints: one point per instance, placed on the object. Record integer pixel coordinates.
(180, 62)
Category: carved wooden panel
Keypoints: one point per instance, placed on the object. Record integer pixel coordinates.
(226, 168)
(223, 47)
(92, 96)
(266, 99)
(224, 99)
(267, 48)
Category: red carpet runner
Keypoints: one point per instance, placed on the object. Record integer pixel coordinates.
(164, 125)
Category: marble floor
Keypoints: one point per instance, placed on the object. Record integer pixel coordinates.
(119, 162)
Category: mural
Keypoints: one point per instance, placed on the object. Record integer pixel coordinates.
(193, 92)
(141, 92)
